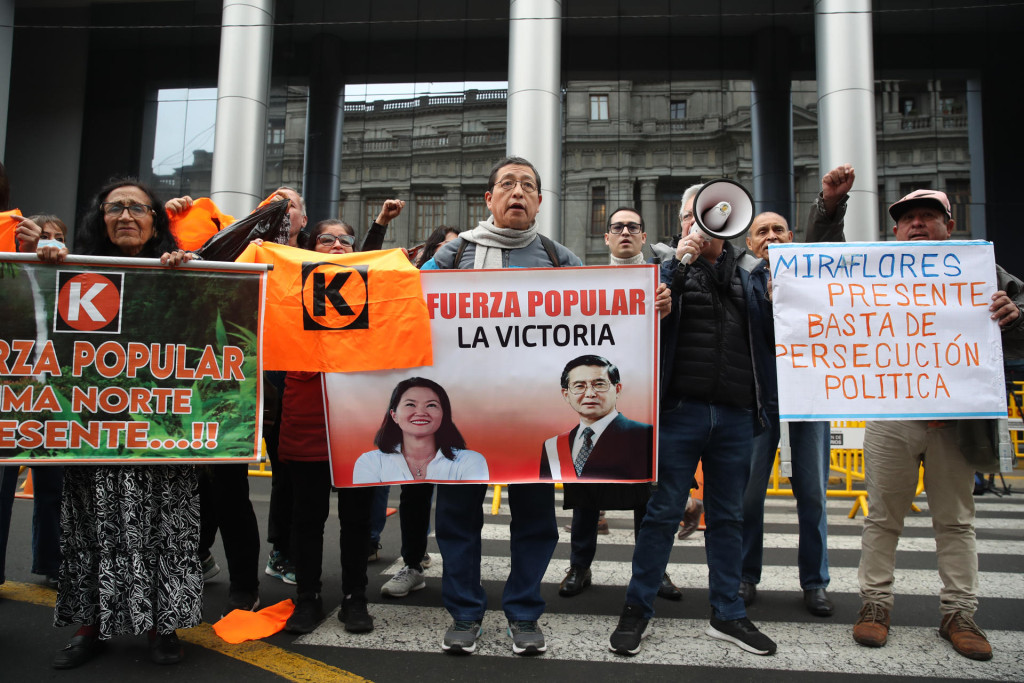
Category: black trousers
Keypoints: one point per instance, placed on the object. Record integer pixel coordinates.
(224, 503)
(311, 498)
(414, 517)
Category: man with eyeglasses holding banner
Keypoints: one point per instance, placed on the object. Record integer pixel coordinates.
(508, 239)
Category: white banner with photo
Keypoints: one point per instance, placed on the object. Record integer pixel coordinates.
(887, 331)
(501, 340)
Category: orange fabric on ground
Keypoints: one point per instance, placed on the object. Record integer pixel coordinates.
(199, 223)
(342, 312)
(7, 227)
(239, 625)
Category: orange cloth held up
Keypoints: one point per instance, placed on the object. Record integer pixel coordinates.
(7, 228)
(239, 625)
(200, 222)
(342, 312)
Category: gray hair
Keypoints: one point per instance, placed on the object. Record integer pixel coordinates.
(687, 196)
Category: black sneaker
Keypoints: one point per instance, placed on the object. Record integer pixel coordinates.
(309, 612)
(248, 601)
(165, 648)
(632, 628)
(354, 616)
(743, 633)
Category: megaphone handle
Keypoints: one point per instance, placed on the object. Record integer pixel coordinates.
(686, 259)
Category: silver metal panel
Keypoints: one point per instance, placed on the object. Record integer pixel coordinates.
(535, 100)
(846, 112)
(243, 90)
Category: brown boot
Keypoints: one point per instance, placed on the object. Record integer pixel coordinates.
(872, 629)
(967, 639)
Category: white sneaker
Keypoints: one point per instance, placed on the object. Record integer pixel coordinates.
(404, 582)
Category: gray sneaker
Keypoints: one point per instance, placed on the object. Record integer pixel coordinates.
(404, 582)
(461, 637)
(527, 638)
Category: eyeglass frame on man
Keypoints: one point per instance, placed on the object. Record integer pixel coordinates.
(575, 389)
(344, 239)
(631, 227)
(106, 208)
(529, 185)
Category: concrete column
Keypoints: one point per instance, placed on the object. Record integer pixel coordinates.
(321, 177)
(846, 111)
(243, 95)
(6, 46)
(649, 206)
(976, 148)
(453, 212)
(535, 100)
(771, 123)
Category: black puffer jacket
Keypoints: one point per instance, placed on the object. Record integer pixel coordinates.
(712, 353)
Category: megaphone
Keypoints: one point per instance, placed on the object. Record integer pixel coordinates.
(722, 209)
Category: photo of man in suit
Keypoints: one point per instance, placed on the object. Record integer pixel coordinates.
(605, 444)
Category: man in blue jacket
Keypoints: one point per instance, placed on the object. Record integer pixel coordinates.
(508, 239)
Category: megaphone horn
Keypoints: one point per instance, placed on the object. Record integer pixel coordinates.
(723, 209)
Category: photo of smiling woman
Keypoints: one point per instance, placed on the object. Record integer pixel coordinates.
(418, 440)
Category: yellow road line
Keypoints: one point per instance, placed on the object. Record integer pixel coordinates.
(284, 663)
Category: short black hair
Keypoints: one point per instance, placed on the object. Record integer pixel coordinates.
(625, 208)
(590, 360)
(508, 161)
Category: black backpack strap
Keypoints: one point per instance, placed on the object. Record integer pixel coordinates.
(458, 254)
(549, 247)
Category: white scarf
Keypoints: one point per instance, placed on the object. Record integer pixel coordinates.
(631, 261)
(490, 240)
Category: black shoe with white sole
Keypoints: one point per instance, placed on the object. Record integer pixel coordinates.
(743, 633)
(632, 628)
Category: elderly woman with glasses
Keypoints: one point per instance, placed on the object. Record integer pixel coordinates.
(129, 534)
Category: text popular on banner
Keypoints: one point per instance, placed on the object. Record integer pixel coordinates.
(891, 330)
(106, 360)
(502, 339)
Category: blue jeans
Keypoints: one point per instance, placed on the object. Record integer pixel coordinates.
(810, 456)
(459, 519)
(720, 436)
(379, 512)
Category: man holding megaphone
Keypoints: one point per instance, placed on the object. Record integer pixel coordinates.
(715, 343)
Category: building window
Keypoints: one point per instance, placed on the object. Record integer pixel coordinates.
(598, 210)
(371, 207)
(959, 193)
(275, 136)
(476, 211)
(429, 214)
(598, 107)
(677, 110)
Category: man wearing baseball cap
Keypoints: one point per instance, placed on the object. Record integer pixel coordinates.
(893, 451)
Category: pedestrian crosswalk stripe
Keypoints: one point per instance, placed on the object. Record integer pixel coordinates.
(822, 647)
(1005, 585)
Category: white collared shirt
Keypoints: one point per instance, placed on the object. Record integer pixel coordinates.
(376, 467)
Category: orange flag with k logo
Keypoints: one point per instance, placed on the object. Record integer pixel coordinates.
(342, 312)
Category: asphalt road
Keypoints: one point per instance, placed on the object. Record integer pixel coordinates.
(405, 645)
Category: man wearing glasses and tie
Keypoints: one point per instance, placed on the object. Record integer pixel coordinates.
(605, 444)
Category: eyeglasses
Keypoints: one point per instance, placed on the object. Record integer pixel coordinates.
(599, 385)
(633, 228)
(529, 186)
(328, 240)
(115, 209)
